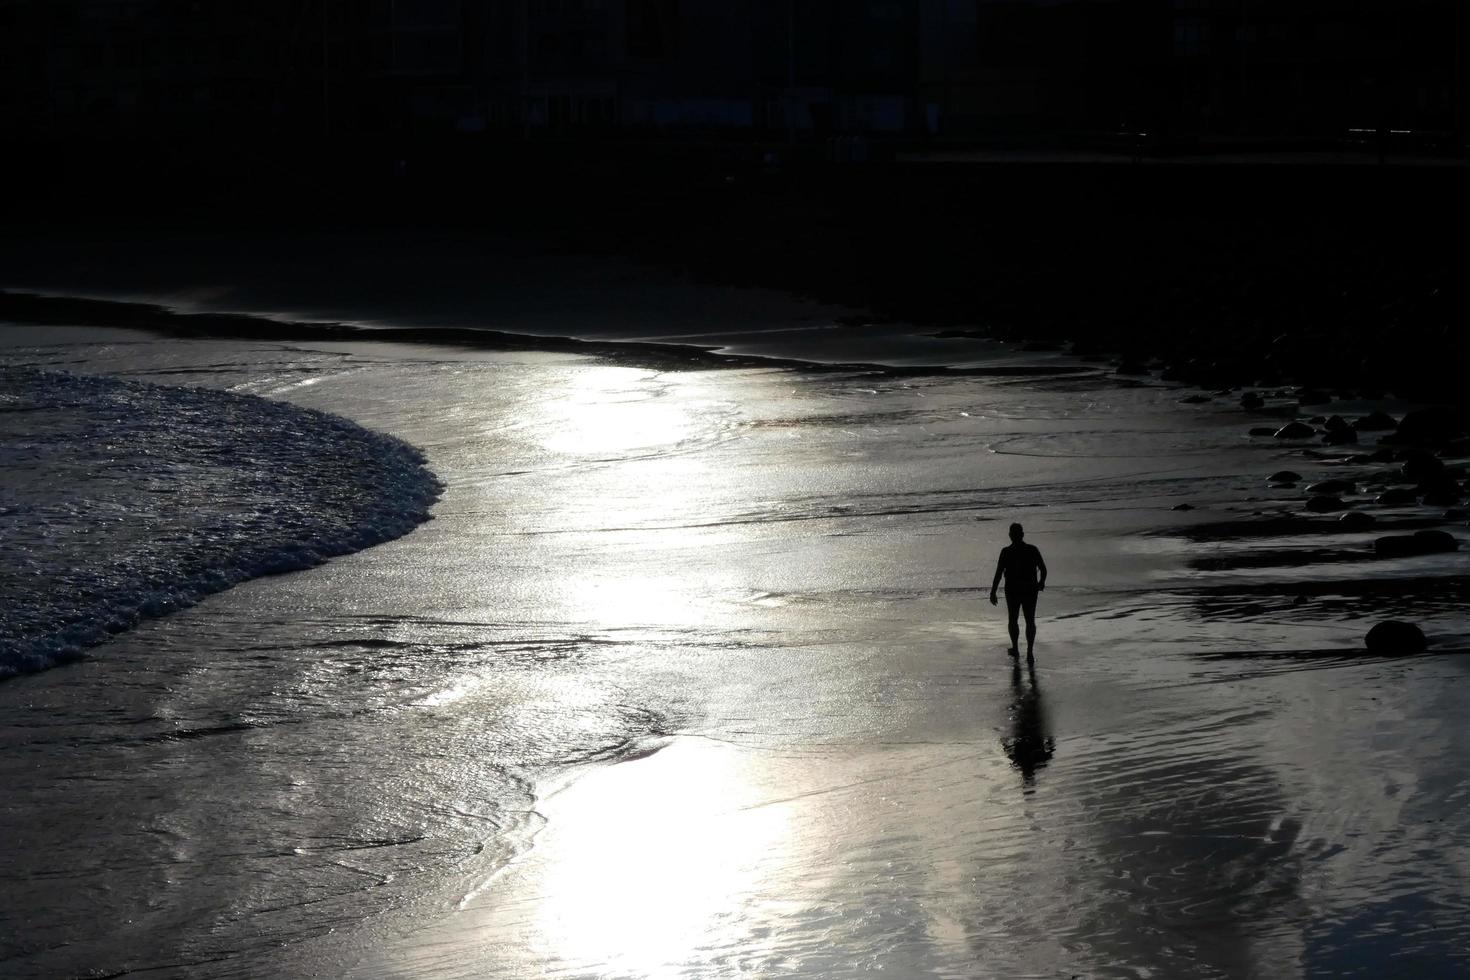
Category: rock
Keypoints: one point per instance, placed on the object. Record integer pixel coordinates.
(1375, 422)
(1456, 514)
(1182, 507)
(1413, 545)
(1420, 466)
(1195, 400)
(1397, 497)
(1311, 396)
(1393, 636)
(1262, 430)
(1332, 486)
(1430, 426)
(1295, 430)
(1317, 419)
(1251, 400)
(1443, 496)
(1131, 368)
(1340, 437)
(1324, 504)
(1336, 424)
(1356, 518)
(1285, 476)
(1380, 456)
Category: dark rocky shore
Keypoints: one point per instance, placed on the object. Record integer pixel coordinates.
(1341, 278)
(1344, 278)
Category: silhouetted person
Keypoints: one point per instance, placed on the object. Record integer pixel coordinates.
(1025, 575)
(1029, 747)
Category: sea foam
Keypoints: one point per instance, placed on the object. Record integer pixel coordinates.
(121, 500)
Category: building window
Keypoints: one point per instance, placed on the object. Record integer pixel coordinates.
(651, 28)
(422, 14)
(1190, 37)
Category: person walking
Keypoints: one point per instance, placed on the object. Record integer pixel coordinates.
(1024, 572)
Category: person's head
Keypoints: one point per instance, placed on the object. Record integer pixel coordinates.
(1017, 533)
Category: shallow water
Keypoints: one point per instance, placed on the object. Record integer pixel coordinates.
(775, 583)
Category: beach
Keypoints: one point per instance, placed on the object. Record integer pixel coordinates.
(692, 672)
(667, 489)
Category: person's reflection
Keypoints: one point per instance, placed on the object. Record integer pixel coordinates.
(1028, 746)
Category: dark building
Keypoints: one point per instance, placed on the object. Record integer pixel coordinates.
(1315, 68)
(956, 69)
(100, 68)
(710, 65)
(95, 67)
(1086, 65)
(1305, 70)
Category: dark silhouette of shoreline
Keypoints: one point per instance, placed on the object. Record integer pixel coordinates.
(1343, 277)
(22, 307)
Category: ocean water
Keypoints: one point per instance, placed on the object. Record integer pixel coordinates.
(693, 673)
(124, 500)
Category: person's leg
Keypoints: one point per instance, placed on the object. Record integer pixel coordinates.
(1029, 605)
(1013, 611)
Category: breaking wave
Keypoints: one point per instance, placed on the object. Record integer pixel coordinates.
(121, 500)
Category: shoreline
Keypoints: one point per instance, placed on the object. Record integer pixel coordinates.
(1210, 273)
(28, 308)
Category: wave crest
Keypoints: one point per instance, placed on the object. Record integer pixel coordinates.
(121, 500)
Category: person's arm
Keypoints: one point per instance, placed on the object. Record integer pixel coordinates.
(1040, 568)
(1000, 567)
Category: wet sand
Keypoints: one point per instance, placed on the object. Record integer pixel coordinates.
(692, 673)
